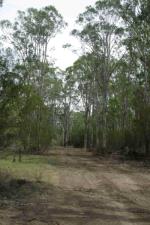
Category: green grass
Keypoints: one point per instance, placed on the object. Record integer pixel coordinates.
(22, 180)
(32, 167)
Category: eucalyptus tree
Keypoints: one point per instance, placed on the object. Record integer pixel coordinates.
(68, 102)
(136, 19)
(31, 33)
(100, 33)
(30, 36)
(83, 73)
(120, 105)
(11, 90)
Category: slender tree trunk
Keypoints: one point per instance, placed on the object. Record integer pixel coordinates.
(66, 123)
(19, 155)
(86, 130)
(65, 137)
(147, 147)
(104, 131)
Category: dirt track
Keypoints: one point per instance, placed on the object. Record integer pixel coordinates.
(87, 191)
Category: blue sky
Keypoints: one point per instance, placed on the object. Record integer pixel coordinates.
(69, 9)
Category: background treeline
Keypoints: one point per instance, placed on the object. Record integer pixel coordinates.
(101, 102)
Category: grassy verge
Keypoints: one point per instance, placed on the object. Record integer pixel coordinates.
(32, 167)
(23, 180)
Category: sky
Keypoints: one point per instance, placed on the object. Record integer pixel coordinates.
(69, 9)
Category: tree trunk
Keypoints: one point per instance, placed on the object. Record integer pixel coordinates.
(19, 155)
(147, 147)
(86, 130)
(104, 119)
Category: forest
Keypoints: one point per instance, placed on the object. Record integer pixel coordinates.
(75, 142)
(100, 102)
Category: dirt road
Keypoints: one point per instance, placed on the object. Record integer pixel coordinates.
(84, 190)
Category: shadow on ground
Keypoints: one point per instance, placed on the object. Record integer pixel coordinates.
(58, 206)
(33, 203)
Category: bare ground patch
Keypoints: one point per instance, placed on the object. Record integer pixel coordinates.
(83, 190)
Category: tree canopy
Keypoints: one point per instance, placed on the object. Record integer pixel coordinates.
(101, 102)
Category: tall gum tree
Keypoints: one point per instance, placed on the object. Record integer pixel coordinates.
(100, 33)
(135, 15)
(30, 35)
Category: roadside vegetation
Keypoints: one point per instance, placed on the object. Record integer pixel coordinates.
(97, 110)
(101, 102)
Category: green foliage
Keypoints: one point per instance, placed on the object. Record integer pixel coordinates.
(102, 101)
(77, 129)
(30, 87)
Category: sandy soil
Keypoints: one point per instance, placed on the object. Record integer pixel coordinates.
(84, 190)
